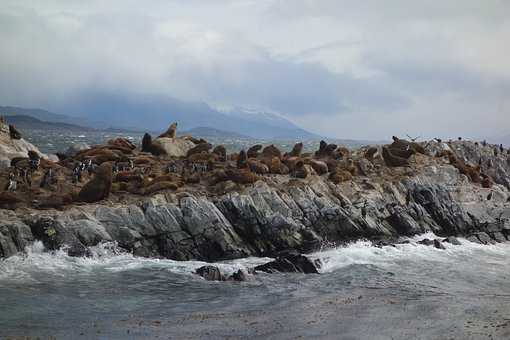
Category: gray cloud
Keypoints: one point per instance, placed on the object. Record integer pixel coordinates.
(363, 70)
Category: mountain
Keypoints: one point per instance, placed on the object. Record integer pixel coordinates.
(39, 114)
(207, 132)
(29, 122)
(155, 112)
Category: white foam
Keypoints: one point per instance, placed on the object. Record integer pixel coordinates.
(362, 252)
(105, 257)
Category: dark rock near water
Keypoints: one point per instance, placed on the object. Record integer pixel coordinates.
(435, 243)
(291, 263)
(239, 276)
(211, 273)
(452, 240)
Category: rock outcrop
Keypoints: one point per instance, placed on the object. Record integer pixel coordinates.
(11, 148)
(278, 213)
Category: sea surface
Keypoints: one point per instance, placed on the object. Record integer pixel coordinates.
(410, 291)
(53, 141)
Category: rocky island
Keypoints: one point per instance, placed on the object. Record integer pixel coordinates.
(182, 198)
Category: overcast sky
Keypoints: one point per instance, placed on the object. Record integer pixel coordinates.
(350, 69)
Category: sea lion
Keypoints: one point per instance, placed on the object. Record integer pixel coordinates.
(148, 146)
(242, 160)
(203, 156)
(13, 132)
(369, 154)
(202, 147)
(292, 162)
(341, 153)
(271, 151)
(10, 200)
(53, 201)
(221, 151)
(322, 148)
(319, 167)
(122, 142)
(296, 150)
(253, 151)
(403, 153)
(351, 167)
(392, 160)
(241, 176)
(300, 170)
(99, 187)
(171, 132)
(257, 166)
(486, 181)
(340, 176)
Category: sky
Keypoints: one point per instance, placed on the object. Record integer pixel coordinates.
(348, 69)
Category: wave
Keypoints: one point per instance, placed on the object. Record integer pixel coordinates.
(109, 258)
(106, 258)
(364, 253)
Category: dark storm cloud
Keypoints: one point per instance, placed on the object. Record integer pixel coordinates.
(386, 63)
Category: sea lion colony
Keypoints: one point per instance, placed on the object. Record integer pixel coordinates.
(119, 168)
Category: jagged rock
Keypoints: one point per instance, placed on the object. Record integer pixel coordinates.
(239, 276)
(211, 273)
(436, 243)
(291, 263)
(452, 240)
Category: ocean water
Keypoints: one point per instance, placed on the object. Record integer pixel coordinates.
(410, 291)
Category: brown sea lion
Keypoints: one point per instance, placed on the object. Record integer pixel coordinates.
(271, 151)
(300, 170)
(10, 200)
(296, 150)
(202, 147)
(253, 151)
(53, 201)
(404, 153)
(99, 187)
(148, 146)
(257, 166)
(221, 151)
(203, 156)
(123, 143)
(392, 160)
(241, 176)
(486, 181)
(340, 176)
(171, 132)
(322, 148)
(128, 176)
(369, 154)
(352, 167)
(292, 162)
(242, 160)
(320, 167)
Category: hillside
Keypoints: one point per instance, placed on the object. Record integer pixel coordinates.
(24, 122)
(153, 112)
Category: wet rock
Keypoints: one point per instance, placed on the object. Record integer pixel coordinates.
(78, 250)
(211, 273)
(484, 238)
(291, 263)
(239, 276)
(499, 237)
(435, 243)
(452, 240)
